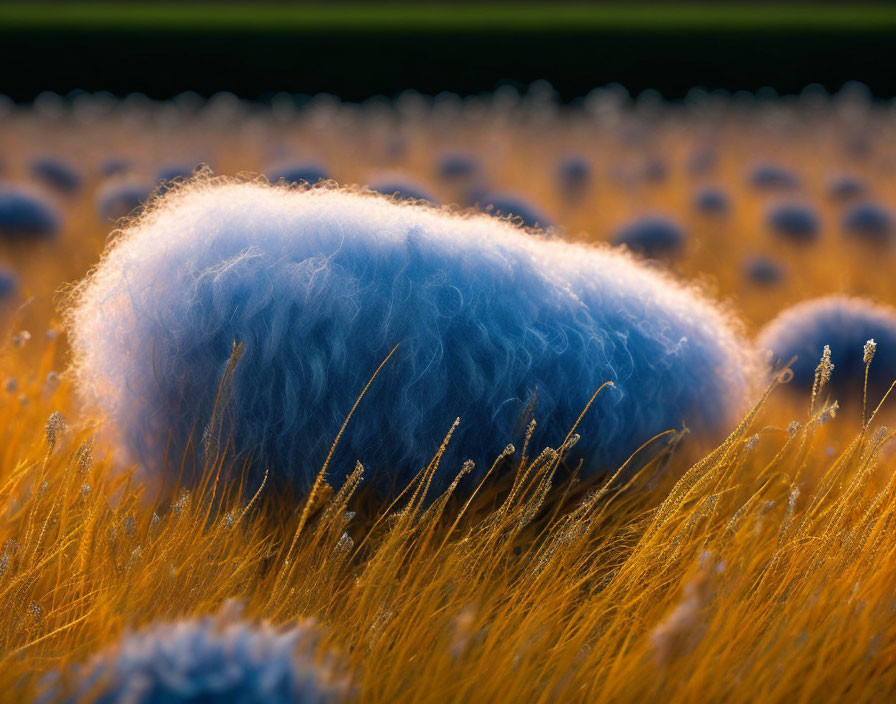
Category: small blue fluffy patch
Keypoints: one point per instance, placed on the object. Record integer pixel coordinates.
(319, 285)
(845, 187)
(795, 222)
(845, 324)
(209, 660)
(652, 236)
(25, 214)
(457, 165)
(712, 200)
(869, 222)
(57, 174)
(770, 176)
(118, 199)
(573, 174)
(763, 270)
(9, 282)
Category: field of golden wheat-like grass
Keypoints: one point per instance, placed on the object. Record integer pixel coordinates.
(759, 570)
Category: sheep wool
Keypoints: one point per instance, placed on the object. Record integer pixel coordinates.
(493, 324)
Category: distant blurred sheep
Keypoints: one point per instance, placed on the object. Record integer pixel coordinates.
(573, 176)
(794, 222)
(652, 236)
(118, 199)
(771, 176)
(319, 285)
(845, 324)
(457, 165)
(712, 200)
(208, 661)
(846, 187)
(9, 282)
(25, 214)
(56, 174)
(763, 270)
(869, 222)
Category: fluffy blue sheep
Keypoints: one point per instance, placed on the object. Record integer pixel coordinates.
(712, 200)
(795, 222)
(763, 270)
(457, 165)
(655, 170)
(845, 324)
(306, 172)
(57, 174)
(652, 236)
(846, 187)
(118, 199)
(24, 214)
(207, 661)
(9, 282)
(869, 222)
(702, 161)
(770, 176)
(319, 285)
(114, 166)
(573, 175)
(512, 206)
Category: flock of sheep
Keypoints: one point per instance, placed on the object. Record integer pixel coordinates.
(257, 314)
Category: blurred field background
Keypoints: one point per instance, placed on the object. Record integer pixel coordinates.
(761, 570)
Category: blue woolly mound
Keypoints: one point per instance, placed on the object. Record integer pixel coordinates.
(9, 282)
(763, 270)
(306, 172)
(118, 199)
(457, 165)
(702, 161)
(56, 174)
(573, 174)
(712, 200)
(115, 165)
(652, 236)
(845, 324)
(206, 661)
(509, 205)
(24, 214)
(655, 170)
(845, 188)
(869, 222)
(399, 188)
(795, 222)
(319, 285)
(770, 176)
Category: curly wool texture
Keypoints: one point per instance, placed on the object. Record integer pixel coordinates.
(320, 285)
(212, 661)
(845, 325)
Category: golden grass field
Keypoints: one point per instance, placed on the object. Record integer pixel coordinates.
(763, 569)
